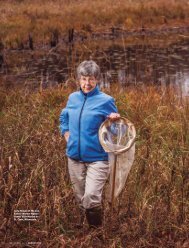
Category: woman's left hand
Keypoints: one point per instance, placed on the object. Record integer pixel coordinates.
(114, 116)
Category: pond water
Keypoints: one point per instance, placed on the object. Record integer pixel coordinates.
(161, 61)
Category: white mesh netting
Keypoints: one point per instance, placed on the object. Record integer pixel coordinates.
(118, 139)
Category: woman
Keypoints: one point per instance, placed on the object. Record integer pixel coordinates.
(88, 164)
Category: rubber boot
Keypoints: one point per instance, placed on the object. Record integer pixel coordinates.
(94, 217)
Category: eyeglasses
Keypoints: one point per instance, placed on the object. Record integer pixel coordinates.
(85, 79)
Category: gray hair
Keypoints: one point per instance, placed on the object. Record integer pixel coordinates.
(88, 68)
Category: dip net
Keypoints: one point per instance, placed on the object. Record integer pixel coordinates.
(118, 139)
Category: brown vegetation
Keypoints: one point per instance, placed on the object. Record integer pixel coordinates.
(48, 19)
(153, 210)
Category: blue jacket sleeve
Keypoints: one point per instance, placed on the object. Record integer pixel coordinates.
(64, 121)
(111, 107)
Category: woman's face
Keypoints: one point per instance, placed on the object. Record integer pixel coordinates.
(87, 83)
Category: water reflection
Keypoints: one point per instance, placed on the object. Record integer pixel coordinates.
(120, 63)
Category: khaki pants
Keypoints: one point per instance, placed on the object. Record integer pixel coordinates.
(88, 180)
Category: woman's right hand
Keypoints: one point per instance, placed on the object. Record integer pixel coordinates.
(66, 135)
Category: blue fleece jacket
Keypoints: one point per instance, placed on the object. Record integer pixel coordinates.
(82, 117)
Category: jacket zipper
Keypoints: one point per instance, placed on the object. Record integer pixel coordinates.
(80, 126)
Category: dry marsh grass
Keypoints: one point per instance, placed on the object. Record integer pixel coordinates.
(43, 18)
(153, 210)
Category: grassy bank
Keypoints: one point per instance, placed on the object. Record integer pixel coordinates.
(153, 210)
(47, 18)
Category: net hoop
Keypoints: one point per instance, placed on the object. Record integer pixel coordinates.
(131, 135)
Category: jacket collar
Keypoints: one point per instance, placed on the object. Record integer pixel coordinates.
(95, 91)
